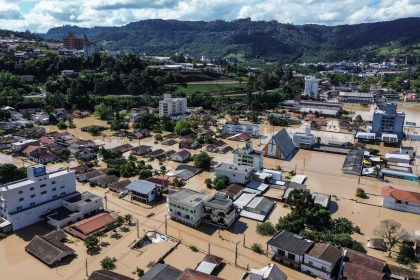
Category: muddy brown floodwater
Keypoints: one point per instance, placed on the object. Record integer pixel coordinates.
(324, 175)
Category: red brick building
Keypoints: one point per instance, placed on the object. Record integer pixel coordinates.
(71, 42)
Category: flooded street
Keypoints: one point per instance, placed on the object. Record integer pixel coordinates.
(324, 175)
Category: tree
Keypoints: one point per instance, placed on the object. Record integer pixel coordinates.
(358, 119)
(128, 218)
(103, 111)
(266, 228)
(9, 173)
(361, 193)
(220, 182)
(209, 183)
(91, 243)
(406, 254)
(145, 173)
(392, 233)
(257, 248)
(108, 263)
(139, 272)
(183, 127)
(202, 160)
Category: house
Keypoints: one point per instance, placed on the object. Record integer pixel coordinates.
(289, 248)
(280, 146)
(401, 200)
(6, 142)
(240, 137)
(19, 146)
(234, 127)
(50, 248)
(377, 244)
(258, 208)
(86, 155)
(89, 226)
(322, 261)
(181, 156)
(104, 180)
(269, 272)
(80, 114)
(304, 140)
(123, 148)
(161, 271)
(233, 191)
(359, 266)
(219, 211)
(90, 175)
(247, 156)
(186, 206)
(235, 173)
(141, 150)
(209, 264)
(144, 191)
(188, 143)
(105, 274)
(84, 167)
(119, 186)
(169, 142)
(190, 274)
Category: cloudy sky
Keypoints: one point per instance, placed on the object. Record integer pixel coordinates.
(40, 15)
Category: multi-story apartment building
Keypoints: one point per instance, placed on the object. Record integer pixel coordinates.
(247, 156)
(71, 42)
(311, 86)
(356, 97)
(233, 128)
(186, 206)
(386, 119)
(23, 202)
(172, 106)
(219, 211)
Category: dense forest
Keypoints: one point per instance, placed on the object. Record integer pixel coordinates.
(246, 39)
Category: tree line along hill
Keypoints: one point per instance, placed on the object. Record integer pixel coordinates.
(268, 40)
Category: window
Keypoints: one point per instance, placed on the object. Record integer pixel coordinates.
(54, 189)
(21, 199)
(32, 203)
(32, 188)
(43, 185)
(20, 192)
(62, 187)
(32, 195)
(53, 183)
(19, 208)
(44, 192)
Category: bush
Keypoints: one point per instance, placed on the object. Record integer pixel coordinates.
(406, 254)
(158, 137)
(257, 248)
(220, 182)
(194, 248)
(62, 125)
(202, 160)
(139, 272)
(266, 228)
(361, 193)
(357, 246)
(108, 263)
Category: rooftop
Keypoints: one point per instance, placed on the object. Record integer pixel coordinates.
(105, 274)
(401, 195)
(162, 272)
(187, 196)
(291, 242)
(233, 167)
(141, 186)
(326, 252)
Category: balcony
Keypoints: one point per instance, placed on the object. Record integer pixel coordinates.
(290, 262)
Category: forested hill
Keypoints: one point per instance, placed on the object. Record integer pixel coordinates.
(258, 39)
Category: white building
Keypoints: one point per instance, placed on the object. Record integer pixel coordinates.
(186, 206)
(23, 202)
(235, 173)
(247, 156)
(311, 86)
(233, 128)
(75, 208)
(304, 139)
(321, 260)
(219, 211)
(401, 200)
(172, 106)
(19, 146)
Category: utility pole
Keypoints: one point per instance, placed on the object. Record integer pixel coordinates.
(86, 268)
(209, 248)
(244, 241)
(137, 225)
(106, 201)
(236, 252)
(166, 224)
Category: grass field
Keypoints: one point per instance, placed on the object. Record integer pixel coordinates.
(210, 88)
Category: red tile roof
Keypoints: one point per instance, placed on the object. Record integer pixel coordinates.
(401, 195)
(359, 266)
(90, 225)
(30, 149)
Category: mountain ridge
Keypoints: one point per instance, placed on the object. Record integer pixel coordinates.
(250, 39)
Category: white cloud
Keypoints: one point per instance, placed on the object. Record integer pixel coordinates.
(50, 13)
